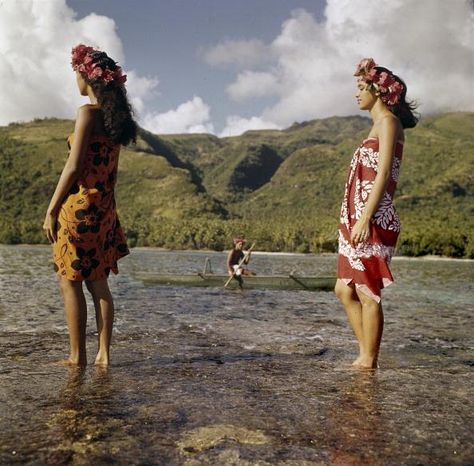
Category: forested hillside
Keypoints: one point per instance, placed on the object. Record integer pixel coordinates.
(281, 189)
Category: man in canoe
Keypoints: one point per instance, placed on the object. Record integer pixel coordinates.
(237, 260)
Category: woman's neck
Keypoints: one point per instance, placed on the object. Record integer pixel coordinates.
(92, 96)
(378, 111)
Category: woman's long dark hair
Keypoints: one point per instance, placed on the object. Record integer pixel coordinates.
(119, 124)
(405, 111)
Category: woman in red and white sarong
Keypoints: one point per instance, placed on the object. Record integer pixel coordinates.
(370, 225)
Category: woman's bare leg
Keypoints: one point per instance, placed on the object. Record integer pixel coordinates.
(104, 314)
(75, 309)
(372, 326)
(352, 305)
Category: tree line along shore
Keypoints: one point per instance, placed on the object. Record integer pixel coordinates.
(281, 189)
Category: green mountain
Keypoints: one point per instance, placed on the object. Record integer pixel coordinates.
(280, 188)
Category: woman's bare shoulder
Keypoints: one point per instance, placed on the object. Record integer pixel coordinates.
(91, 115)
(88, 113)
(89, 110)
(388, 124)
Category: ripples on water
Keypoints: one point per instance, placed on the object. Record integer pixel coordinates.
(207, 376)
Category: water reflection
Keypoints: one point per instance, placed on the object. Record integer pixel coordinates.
(201, 376)
(70, 394)
(356, 426)
(82, 422)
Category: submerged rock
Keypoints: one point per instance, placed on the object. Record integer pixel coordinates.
(203, 438)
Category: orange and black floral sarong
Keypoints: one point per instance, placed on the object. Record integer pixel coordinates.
(90, 239)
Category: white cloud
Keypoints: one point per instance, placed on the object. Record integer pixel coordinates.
(192, 116)
(251, 84)
(236, 125)
(36, 38)
(307, 69)
(140, 88)
(428, 43)
(237, 52)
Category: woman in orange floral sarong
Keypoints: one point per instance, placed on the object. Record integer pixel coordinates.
(81, 220)
(370, 225)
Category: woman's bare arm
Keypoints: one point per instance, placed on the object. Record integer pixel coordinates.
(72, 168)
(387, 139)
(229, 257)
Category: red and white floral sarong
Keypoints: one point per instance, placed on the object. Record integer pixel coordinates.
(367, 265)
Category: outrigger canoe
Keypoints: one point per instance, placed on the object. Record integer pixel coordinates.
(280, 282)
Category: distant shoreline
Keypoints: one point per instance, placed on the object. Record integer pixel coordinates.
(429, 257)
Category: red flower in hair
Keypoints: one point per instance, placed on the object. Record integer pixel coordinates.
(365, 66)
(95, 73)
(384, 82)
(83, 60)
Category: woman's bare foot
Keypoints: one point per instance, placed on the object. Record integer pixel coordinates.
(366, 363)
(357, 361)
(102, 359)
(101, 371)
(72, 362)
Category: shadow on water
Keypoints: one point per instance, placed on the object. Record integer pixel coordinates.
(204, 377)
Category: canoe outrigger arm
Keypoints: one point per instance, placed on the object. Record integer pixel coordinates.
(298, 281)
(207, 266)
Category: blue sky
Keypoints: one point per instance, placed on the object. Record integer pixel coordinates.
(224, 67)
(166, 38)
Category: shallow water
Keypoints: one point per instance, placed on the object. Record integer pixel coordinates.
(211, 376)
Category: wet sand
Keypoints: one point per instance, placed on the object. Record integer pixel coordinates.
(206, 376)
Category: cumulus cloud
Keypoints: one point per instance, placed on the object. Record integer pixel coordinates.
(192, 116)
(140, 88)
(306, 71)
(236, 125)
(427, 42)
(237, 52)
(251, 84)
(36, 38)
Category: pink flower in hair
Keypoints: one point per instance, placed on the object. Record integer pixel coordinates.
(365, 66)
(119, 76)
(82, 60)
(370, 76)
(389, 89)
(396, 87)
(96, 72)
(79, 54)
(383, 80)
(108, 75)
(394, 93)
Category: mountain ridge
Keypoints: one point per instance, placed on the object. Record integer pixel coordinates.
(282, 188)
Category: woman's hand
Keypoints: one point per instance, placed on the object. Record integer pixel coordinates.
(360, 232)
(50, 226)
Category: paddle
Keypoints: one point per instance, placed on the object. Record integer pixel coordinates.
(239, 264)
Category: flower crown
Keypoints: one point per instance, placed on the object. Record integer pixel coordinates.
(96, 65)
(384, 82)
(239, 240)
